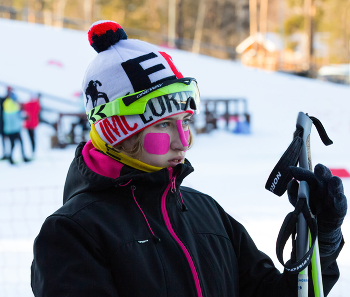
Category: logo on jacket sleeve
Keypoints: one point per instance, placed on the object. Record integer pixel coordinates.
(142, 241)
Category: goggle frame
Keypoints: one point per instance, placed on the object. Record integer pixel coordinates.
(135, 103)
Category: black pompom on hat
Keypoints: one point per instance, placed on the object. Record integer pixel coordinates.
(103, 34)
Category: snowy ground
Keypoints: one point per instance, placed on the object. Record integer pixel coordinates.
(232, 168)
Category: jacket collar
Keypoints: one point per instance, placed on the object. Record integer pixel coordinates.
(81, 178)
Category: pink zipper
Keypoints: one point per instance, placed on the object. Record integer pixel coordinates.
(172, 232)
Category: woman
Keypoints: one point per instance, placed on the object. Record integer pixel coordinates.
(127, 226)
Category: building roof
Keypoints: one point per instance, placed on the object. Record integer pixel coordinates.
(259, 38)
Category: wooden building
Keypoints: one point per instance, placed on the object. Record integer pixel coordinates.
(257, 51)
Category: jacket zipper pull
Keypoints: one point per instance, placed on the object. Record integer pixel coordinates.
(173, 190)
(173, 186)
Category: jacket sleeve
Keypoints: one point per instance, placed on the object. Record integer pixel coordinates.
(259, 277)
(69, 262)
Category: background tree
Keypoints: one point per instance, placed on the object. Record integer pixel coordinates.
(336, 23)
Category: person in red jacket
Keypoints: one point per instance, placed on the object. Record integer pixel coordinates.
(32, 110)
(127, 227)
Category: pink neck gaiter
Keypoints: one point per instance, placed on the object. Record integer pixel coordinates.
(99, 162)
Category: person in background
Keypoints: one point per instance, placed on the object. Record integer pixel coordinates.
(13, 123)
(127, 226)
(4, 137)
(32, 111)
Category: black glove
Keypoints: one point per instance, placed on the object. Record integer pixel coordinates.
(327, 202)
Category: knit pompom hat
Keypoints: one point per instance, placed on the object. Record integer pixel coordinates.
(125, 66)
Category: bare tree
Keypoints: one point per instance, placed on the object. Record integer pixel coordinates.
(87, 7)
(199, 26)
(180, 25)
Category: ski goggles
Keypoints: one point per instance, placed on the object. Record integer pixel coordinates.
(183, 91)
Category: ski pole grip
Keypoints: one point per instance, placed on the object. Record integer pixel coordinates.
(302, 244)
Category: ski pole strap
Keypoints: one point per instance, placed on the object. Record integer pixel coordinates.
(288, 228)
(321, 131)
(280, 176)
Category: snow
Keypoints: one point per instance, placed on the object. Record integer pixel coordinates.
(231, 168)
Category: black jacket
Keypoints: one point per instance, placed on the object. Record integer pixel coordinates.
(137, 236)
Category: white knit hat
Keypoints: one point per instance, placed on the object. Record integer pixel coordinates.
(126, 66)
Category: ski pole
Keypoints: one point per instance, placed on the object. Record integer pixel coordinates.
(302, 241)
(301, 222)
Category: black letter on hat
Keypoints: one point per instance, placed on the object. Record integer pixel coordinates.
(170, 98)
(153, 109)
(138, 76)
(142, 116)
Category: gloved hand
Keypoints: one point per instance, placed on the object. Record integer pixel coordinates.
(327, 202)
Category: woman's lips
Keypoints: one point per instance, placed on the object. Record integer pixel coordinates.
(175, 161)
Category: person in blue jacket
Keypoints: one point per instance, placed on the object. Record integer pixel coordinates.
(2, 134)
(127, 227)
(13, 121)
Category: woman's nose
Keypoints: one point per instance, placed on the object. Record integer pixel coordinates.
(180, 141)
(182, 135)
